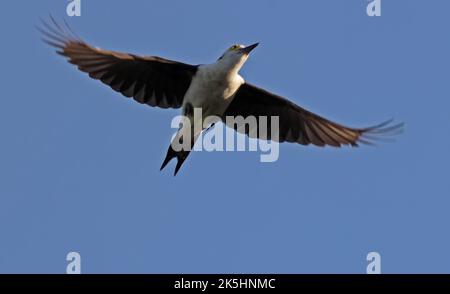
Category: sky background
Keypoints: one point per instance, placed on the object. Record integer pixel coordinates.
(79, 164)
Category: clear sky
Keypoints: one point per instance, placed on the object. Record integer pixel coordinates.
(79, 164)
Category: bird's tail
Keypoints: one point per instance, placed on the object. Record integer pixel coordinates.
(180, 155)
(183, 153)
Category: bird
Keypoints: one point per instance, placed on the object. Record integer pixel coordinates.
(216, 88)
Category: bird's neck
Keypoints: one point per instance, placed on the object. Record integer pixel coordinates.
(228, 67)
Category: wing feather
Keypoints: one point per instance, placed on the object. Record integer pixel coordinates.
(148, 79)
(299, 125)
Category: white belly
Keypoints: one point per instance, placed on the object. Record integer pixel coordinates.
(212, 90)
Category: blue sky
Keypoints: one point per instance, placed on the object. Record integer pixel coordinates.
(79, 164)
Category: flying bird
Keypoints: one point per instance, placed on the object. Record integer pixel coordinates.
(216, 88)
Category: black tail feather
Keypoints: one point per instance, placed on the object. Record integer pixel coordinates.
(181, 158)
(169, 156)
(180, 155)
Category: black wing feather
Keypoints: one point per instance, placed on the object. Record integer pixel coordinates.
(299, 125)
(148, 79)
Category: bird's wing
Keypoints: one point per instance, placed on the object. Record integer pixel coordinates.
(297, 124)
(148, 79)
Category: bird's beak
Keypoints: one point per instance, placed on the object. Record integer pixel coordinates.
(249, 49)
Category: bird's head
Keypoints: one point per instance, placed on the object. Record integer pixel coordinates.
(237, 55)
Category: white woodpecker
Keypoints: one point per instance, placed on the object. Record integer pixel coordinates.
(216, 88)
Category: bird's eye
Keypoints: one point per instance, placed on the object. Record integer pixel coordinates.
(234, 47)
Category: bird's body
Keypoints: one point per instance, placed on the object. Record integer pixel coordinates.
(216, 89)
(212, 89)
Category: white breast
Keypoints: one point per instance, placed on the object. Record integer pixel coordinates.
(212, 89)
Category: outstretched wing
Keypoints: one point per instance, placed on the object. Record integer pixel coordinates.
(148, 79)
(297, 124)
